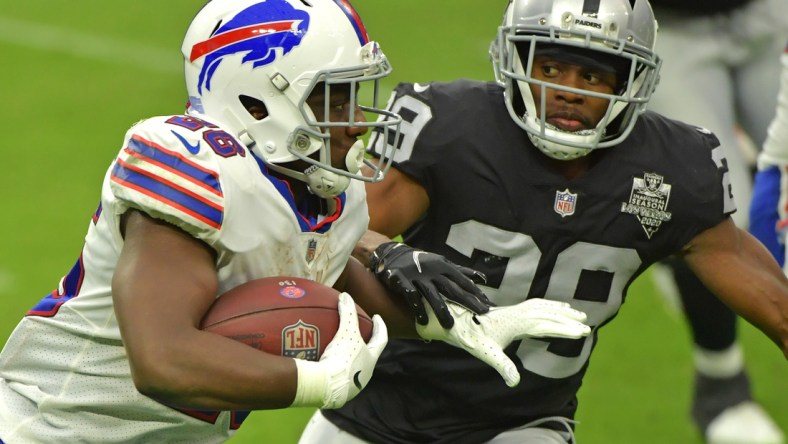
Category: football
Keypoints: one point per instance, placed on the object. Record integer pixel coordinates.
(287, 316)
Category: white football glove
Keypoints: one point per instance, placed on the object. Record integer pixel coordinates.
(347, 364)
(486, 335)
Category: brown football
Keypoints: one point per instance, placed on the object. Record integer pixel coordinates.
(282, 315)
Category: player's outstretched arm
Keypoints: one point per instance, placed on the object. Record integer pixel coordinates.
(417, 277)
(482, 335)
(347, 364)
(374, 298)
(742, 273)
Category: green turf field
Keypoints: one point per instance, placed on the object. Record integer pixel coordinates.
(76, 74)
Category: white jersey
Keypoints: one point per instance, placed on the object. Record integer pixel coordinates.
(65, 375)
(775, 149)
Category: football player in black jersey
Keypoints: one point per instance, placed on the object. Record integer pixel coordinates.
(556, 183)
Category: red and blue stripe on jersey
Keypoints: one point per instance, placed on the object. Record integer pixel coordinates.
(237, 417)
(191, 189)
(307, 223)
(69, 288)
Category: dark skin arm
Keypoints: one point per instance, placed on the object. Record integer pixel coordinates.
(164, 283)
(742, 273)
(159, 306)
(395, 204)
(368, 293)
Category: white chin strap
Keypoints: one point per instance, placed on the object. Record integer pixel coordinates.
(328, 184)
(324, 183)
(560, 151)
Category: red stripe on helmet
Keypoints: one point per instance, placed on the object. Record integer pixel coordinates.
(353, 15)
(228, 38)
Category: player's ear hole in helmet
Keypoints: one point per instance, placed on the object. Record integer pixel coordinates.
(255, 107)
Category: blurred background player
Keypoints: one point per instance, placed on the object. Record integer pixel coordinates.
(556, 184)
(720, 71)
(769, 207)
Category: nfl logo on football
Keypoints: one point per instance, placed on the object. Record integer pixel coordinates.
(301, 341)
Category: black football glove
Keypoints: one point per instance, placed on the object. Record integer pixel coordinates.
(415, 274)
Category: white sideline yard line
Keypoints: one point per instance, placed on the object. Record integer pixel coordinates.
(90, 46)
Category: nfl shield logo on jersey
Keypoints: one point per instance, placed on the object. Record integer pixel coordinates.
(565, 203)
(301, 341)
(311, 248)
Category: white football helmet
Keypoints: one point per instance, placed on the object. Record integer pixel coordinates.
(618, 33)
(278, 52)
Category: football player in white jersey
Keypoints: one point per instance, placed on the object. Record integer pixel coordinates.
(557, 184)
(255, 180)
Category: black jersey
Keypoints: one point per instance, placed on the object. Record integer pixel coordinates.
(496, 206)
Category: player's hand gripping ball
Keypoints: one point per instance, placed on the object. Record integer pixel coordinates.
(281, 315)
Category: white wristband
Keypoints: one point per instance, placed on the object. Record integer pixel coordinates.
(311, 384)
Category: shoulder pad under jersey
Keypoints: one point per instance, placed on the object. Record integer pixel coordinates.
(171, 168)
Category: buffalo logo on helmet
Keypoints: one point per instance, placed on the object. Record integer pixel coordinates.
(259, 31)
